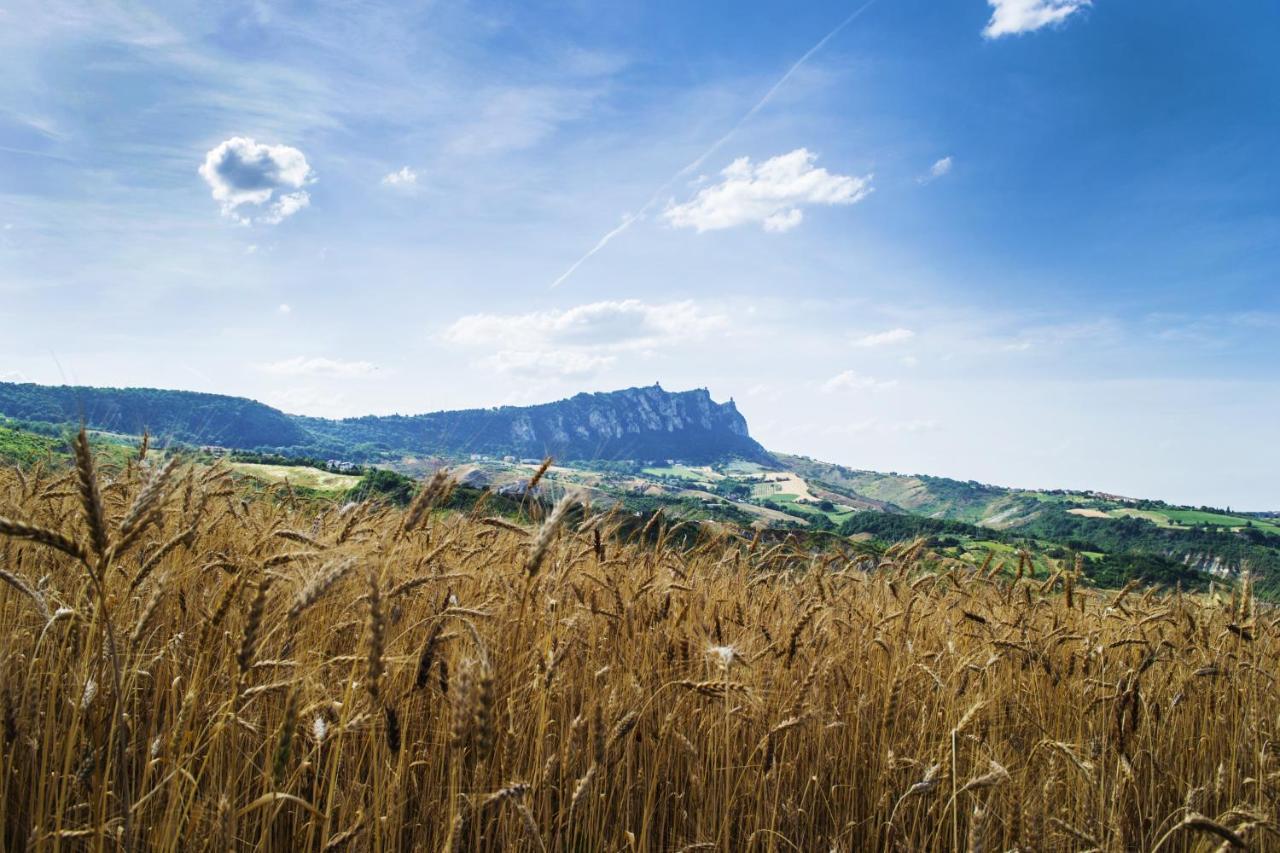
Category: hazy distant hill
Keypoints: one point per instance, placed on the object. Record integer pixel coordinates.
(635, 423)
(1212, 541)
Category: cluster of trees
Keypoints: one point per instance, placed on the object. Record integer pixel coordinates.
(893, 527)
(385, 485)
(258, 458)
(18, 447)
(1118, 569)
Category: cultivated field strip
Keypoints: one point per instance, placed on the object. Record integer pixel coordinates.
(185, 668)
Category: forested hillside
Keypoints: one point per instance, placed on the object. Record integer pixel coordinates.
(183, 416)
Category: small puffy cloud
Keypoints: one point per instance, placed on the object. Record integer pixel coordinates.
(851, 381)
(582, 339)
(771, 193)
(284, 308)
(317, 366)
(257, 183)
(1010, 17)
(937, 170)
(880, 339)
(405, 177)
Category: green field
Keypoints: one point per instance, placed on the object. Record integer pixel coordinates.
(680, 472)
(1174, 518)
(791, 503)
(739, 468)
(1045, 497)
(1195, 516)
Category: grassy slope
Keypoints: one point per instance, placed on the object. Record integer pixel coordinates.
(24, 448)
(298, 475)
(935, 497)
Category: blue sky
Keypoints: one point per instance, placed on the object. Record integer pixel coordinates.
(1029, 242)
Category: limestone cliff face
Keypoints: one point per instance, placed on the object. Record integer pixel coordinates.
(635, 423)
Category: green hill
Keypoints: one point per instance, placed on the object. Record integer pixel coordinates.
(1138, 537)
(184, 416)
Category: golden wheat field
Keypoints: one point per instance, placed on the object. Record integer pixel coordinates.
(186, 668)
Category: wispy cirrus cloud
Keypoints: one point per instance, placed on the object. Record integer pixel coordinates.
(517, 118)
(850, 380)
(318, 366)
(1011, 17)
(559, 362)
(255, 182)
(771, 193)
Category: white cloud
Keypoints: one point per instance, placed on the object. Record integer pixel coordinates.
(318, 366)
(286, 205)
(542, 362)
(851, 381)
(406, 177)
(879, 339)
(284, 308)
(937, 170)
(581, 339)
(1010, 17)
(266, 180)
(628, 322)
(771, 193)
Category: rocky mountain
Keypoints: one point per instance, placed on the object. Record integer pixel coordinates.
(635, 423)
(632, 424)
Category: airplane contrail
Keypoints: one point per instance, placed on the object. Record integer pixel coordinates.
(630, 218)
